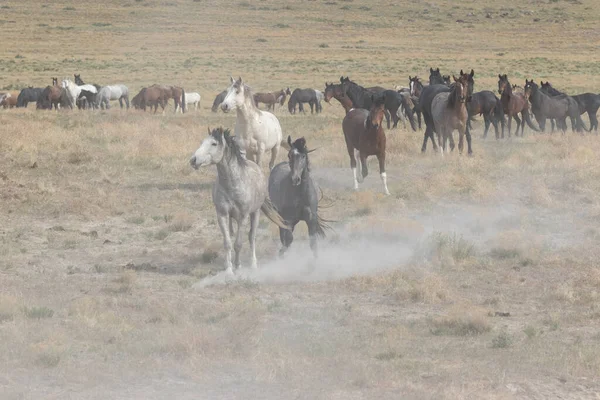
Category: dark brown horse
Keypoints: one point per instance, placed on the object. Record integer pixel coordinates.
(152, 96)
(173, 92)
(270, 99)
(513, 104)
(364, 135)
(336, 91)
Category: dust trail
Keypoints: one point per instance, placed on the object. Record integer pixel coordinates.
(350, 255)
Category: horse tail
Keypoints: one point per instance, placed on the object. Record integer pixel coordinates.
(182, 100)
(271, 212)
(581, 124)
(529, 121)
(322, 223)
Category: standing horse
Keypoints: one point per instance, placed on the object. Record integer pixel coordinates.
(239, 192)
(435, 77)
(193, 98)
(335, 91)
(416, 88)
(449, 112)
(218, 100)
(487, 104)
(513, 104)
(588, 102)
(72, 92)
(87, 95)
(364, 135)
(257, 131)
(28, 95)
(557, 107)
(172, 92)
(270, 99)
(8, 100)
(112, 92)
(295, 195)
(51, 96)
(301, 96)
(153, 96)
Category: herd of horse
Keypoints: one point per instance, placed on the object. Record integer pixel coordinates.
(290, 195)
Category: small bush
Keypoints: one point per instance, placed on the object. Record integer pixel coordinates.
(49, 359)
(530, 331)
(38, 312)
(261, 40)
(281, 26)
(502, 341)
(388, 356)
(460, 325)
(323, 45)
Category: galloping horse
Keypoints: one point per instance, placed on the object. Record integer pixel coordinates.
(257, 131)
(295, 195)
(364, 136)
(239, 192)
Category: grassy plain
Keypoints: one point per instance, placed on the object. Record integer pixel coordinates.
(477, 278)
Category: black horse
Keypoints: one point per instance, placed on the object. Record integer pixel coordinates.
(362, 98)
(487, 104)
(426, 99)
(218, 100)
(416, 88)
(29, 95)
(587, 102)
(301, 96)
(436, 78)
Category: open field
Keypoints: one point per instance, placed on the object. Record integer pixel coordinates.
(110, 253)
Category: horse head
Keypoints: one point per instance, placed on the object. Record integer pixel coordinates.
(376, 112)
(461, 87)
(503, 83)
(415, 85)
(236, 95)
(298, 159)
(529, 88)
(212, 149)
(435, 77)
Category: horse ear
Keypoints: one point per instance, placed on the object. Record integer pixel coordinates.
(341, 79)
(472, 73)
(231, 79)
(409, 78)
(455, 80)
(499, 76)
(437, 69)
(430, 70)
(208, 127)
(290, 140)
(461, 72)
(542, 83)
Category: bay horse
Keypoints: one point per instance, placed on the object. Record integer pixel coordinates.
(153, 96)
(449, 112)
(588, 102)
(364, 136)
(557, 107)
(513, 104)
(335, 91)
(295, 195)
(426, 100)
(270, 99)
(51, 96)
(486, 103)
(172, 92)
(301, 96)
(218, 100)
(257, 131)
(239, 193)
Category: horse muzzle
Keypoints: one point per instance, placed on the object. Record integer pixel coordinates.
(193, 162)
(296, 180)
(225, 108)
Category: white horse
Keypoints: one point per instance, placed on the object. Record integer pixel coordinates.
(192, 98)
(257, 131)
(239, 193)
(72, 91)
(112, 92)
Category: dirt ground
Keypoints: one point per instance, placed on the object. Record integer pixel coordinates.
(476, 279)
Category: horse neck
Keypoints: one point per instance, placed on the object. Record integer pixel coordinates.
(229, 171)
(353, 93)
(247, 110)
(537, 96)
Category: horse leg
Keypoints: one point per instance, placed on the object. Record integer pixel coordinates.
(363, 162)
(224, 226)
(254, 219)
(516, 117)
(352, 153)
(259, 152)
(237, 246)
(274, 152)
(382, 173)
(486, 122)
(312, 225)
(127, 102)
(419, 118)
(287, 237)
(387, 117)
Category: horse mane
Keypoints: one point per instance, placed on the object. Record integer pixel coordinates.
(247, 93)
(221, 135)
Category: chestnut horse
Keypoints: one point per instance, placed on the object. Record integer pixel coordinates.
(364, 135)
(270, 99)
(513, 104)
(8, 100)
(337, 92)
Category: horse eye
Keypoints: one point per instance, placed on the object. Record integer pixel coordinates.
(214, 144)
(237, 91)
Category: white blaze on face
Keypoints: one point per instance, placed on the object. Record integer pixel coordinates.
(412, 88)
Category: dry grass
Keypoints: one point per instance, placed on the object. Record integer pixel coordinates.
(106, 228)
